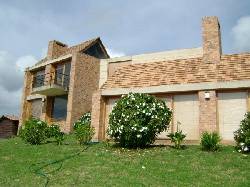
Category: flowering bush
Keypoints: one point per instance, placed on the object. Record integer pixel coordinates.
(242, 135)
(83, 130)
(210, 141)
(53, 131)
(177, 137)
(34, 131)
(137, 119)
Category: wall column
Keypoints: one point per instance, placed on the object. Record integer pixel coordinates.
(97, 116)
(25, 105)
(207, 111)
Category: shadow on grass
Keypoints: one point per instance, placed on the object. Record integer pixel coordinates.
(114, 145)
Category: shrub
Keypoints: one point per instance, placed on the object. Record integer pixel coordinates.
(53, 131)
(242, 135)
(34, 131)
(210, 141)
(177, 137)
(137, 119)
(83, 130)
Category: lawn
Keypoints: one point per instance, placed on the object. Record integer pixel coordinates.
(103, 165)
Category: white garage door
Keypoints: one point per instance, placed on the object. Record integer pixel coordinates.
(232, 107)
(186, 111)
(164, 134)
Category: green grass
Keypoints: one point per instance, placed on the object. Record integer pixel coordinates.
(103, 165)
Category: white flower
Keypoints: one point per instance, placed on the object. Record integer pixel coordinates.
(241, 144)
(143, 167)
(138, 136)
(246, 149)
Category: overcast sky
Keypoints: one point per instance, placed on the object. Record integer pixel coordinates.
(125, 27)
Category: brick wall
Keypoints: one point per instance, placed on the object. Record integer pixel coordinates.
(55, 49)
(98, 116)
(211, 39)
(207, 111)
(84, 82)
(26, 105)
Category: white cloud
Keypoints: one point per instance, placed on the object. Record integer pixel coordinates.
(241, 34)
(44, 52)
(113, 53)
(25, 61)
(11, 81)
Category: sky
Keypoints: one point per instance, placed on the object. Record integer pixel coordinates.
(125, 27)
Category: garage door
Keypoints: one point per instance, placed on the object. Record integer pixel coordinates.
(164, 134)
(232, 107)
(186, 111)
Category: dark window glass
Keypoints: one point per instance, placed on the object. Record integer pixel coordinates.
(39, 79)
(96, 51)
(63, 74)
(59, 111)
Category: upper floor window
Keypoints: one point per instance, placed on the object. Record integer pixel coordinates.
(62, 74)
(38, 79)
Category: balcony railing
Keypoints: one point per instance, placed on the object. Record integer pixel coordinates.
(54, 83)
(56, 78)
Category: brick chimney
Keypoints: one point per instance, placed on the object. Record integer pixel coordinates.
(55, 49)
(211, 39)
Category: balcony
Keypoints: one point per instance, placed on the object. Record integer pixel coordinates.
(51, 84)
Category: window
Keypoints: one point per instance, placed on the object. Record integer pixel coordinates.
(59, 107)
(39, 78)
(62, 74)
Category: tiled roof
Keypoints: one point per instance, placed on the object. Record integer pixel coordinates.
(193, 70)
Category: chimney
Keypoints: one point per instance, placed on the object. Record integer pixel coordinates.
(55, 49)
(211, 39)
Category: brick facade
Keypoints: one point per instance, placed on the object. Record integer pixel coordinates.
(93, 82)
(211, 39)
(207, 111)
(26, 105)
(84, 81)
(97, 116)
(211, 68)
(56, 49)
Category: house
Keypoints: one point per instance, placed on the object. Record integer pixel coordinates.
(205, 89)
(8, 126)
(59, 88)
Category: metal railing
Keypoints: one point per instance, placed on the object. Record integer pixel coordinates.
(56, 78)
